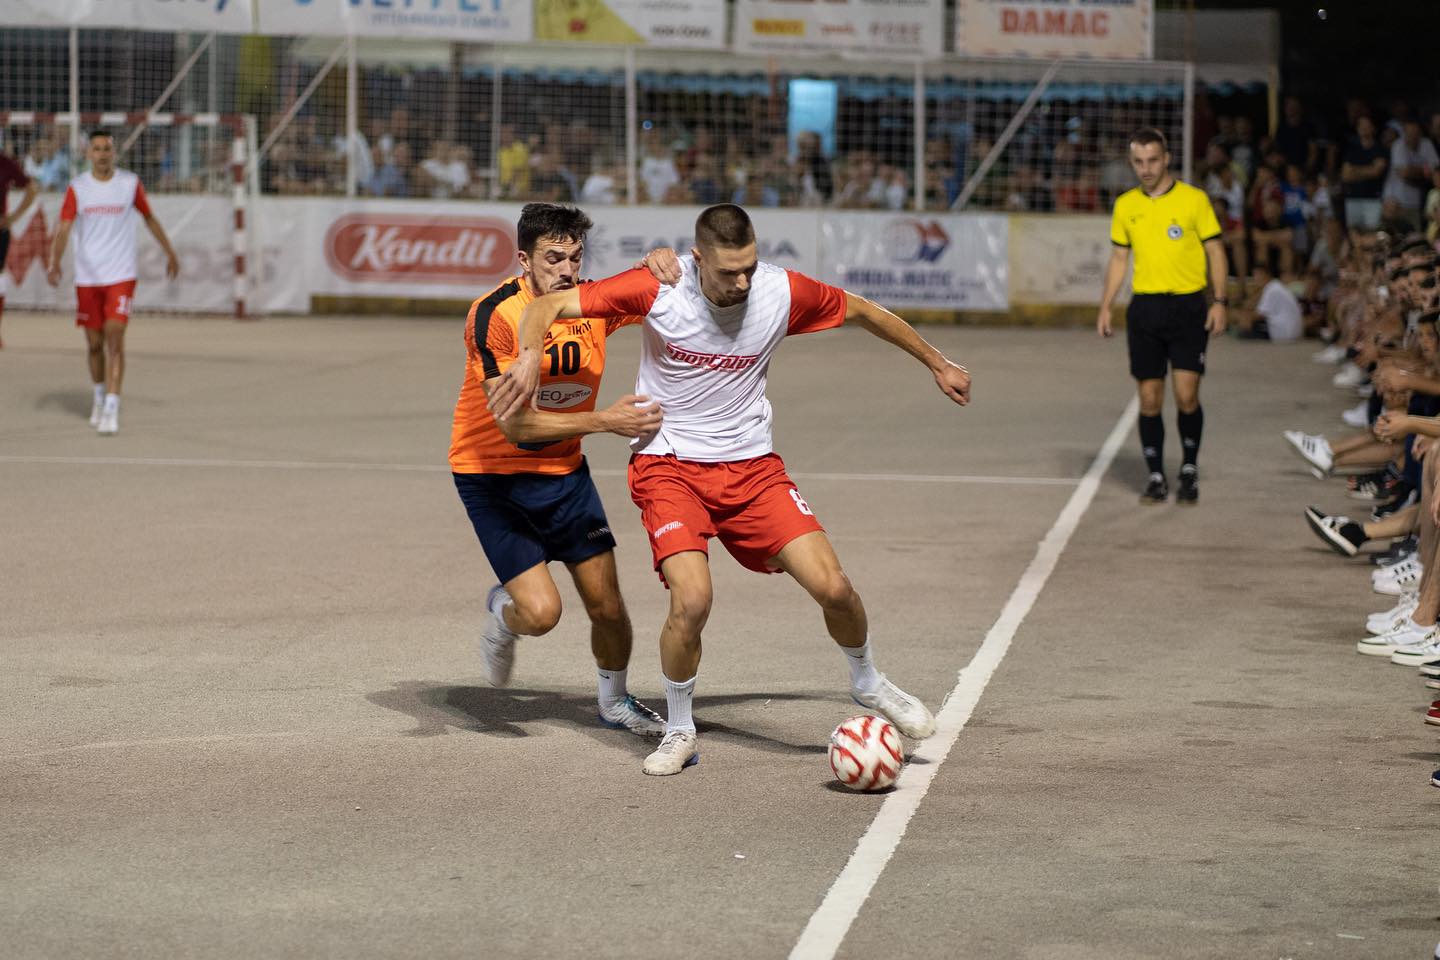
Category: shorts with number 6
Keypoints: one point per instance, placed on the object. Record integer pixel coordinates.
(751, 505)
(95, 305)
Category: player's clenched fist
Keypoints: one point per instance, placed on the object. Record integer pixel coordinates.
(632, 416)
(954, 382)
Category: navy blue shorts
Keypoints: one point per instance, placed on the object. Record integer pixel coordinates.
(525, 519)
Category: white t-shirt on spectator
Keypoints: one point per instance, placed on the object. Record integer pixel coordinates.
(1401, 156)
(659, 175)
(1281, 311)
(450, 178)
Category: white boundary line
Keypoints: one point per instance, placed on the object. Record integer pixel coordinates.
(442, 468)
(830, 923)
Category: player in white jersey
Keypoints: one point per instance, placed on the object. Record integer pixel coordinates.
(101, 206)
(711, 470)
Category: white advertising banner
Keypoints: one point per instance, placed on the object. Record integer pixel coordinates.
(873, 28)
(1059, 259)
(1112, 30)
(202, 16)
(918, 260)
(654, 23)
(469, 21)
(198, 227)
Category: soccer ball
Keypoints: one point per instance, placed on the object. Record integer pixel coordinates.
(865, 753)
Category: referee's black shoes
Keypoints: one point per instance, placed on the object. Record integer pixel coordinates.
(1156, 491)
(1187, 492)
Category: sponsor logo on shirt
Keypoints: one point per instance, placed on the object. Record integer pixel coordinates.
(711, 361)
(669, 527)
(559, 396)
(405, 249)
(100, 209)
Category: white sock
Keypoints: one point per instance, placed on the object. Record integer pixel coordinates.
(863, 675)
(677, 702)
(112, 403)
(99, 392)
(612, 687)
(497, 607)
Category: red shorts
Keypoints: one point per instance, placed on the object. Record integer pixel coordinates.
(751, 505)
(95, 305)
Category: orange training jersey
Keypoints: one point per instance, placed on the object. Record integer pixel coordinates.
(570, 369)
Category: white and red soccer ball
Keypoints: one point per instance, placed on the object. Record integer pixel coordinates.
(865, 753)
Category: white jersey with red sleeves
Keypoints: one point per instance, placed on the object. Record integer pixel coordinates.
(706, 365)
(104, 212)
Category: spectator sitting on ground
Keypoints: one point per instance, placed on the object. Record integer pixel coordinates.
(1232, 235)
(1274, 313)
(1297, 210)
(1269, 233)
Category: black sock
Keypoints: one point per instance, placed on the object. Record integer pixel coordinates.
(1353, 532)
(1190, 425)
(1152, 443)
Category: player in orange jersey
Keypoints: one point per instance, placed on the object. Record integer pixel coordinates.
(526, 485)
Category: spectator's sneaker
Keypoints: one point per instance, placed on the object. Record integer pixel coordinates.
(1365, 391)
(1435, 779)
(1331, 355)
(1340, 534)
(1315, 449)
(1357, 416)
(1370, 488)
(1156, 490)
(1386, 620)
(1401, 549)
(1432, 683)
(1187, 491)
(1430, 668)
(678, 750)
(908, 715)
(1394, 506)
(497, 641)
(1349, 376)
(1432, 716)
(630, 714)
(1395, 579)
(1404, 635)
(1421, 651)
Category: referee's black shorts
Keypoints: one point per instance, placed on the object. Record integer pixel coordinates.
(1166, 330)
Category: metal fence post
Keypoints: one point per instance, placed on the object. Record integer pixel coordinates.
(632, 133)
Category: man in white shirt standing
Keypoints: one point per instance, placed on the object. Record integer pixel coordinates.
(101, 207)
(711, 470)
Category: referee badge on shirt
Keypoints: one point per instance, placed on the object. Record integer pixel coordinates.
(1174, 231)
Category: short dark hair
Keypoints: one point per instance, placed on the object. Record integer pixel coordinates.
(1149, 135)
(723, 225)
(99, 132)
(557, 220)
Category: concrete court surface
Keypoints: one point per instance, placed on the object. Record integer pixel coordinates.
(244, 715)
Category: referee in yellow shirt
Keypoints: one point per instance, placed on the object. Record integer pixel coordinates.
(1172, 230)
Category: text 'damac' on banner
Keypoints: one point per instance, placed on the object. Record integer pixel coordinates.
(1113, 30)
(200, 16)
(470, 21)
(872, 28)
(654, 23)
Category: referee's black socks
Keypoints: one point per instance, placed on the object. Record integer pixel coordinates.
(1152, 443)
(1190, 425)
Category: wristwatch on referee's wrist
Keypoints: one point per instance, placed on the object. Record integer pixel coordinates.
(1223, 301)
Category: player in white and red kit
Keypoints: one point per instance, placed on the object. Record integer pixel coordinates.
(711, 470)
(102, 206)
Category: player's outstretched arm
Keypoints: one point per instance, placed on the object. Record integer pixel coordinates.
(631, 416)
(172, 262)
(57, 251)
(952, 379)
(515, 388)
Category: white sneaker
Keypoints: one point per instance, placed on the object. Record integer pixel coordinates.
(109, 423)
(1397, 578)
(1421, 651)
(1357, 416)
(1403, 635)
(96, 409)
(1386, 620)
(907, 714)
(1314, 448)
(678, 750)
(630, 714)
(1332, 354)
(1349, 376)
(497, 641)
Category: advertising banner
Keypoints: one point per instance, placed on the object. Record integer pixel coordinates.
(1113, 30)
(1059, 259)
(198, 227)
(201, 16)
(918, 260)
(865, 28)
(468, 21)
(655, 23)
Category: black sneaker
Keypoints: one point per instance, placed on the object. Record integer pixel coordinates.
(1341, 534)
(1397, 551)
(1187, 492)
(1156, 491)
(1405, 497)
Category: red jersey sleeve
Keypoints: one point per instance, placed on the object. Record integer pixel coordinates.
(68, 209)
(615, 323)
(628, 294)
(813, 305)
(141, 202)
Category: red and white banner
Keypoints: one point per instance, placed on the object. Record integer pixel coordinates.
(862, 28)
(1113, 30)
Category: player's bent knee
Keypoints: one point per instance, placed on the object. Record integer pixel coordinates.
(836, 592)
(690, 610)
(608, 613)
(537, 616)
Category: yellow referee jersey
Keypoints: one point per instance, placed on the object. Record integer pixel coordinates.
(1166, 233)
